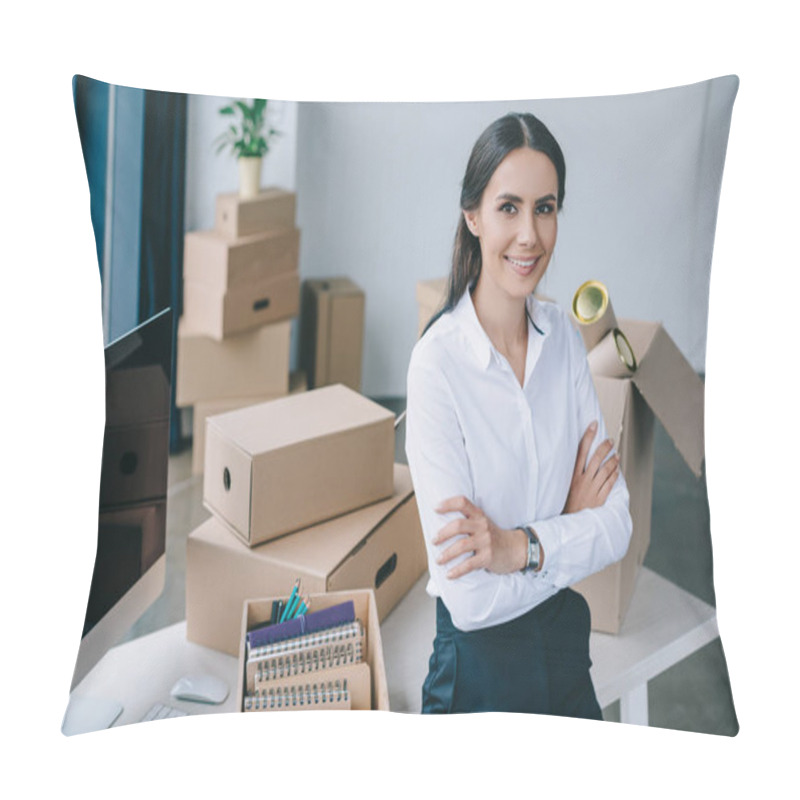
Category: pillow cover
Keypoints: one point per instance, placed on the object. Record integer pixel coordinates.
(373, 190)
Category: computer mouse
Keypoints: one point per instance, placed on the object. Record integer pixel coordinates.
(200, 688)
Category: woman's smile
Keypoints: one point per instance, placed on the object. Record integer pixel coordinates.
(516, 223)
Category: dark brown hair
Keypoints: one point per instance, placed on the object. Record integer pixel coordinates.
(508, 133)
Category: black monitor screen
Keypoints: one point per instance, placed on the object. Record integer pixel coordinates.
(133, 478)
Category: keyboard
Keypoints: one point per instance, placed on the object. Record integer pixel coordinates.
(160, 711)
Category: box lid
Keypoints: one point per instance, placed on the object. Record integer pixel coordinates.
(320, 549)
(300, 417)
(670, 386)
(336, 286)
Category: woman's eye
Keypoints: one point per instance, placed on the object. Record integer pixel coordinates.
(508, 208)
(545, 208)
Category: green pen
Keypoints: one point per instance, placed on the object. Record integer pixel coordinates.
(289, 602)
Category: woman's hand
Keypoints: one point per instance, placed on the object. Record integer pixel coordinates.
(592, 482)
(495, 549)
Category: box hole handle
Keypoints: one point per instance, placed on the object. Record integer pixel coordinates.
(386, 570)
(226, 479)
(261, 304)
(128, 463)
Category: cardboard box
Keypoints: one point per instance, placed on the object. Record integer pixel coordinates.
(332, 332)
(218, 263)
(273, 209)
(664, 385)
(379, 547)
(208, 408)
(256, 611)
(220, 315)
(250, 365)
(431, 295)
(290, 463)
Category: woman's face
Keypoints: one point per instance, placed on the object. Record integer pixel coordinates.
(516, 222)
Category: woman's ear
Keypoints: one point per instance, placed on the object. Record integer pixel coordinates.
(470, 217)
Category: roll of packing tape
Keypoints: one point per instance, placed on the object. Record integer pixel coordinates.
(613, 356)
(591, 307)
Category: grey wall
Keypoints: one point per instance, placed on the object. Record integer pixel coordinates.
(378, 186)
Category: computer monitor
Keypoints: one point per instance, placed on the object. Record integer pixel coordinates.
(130, 564)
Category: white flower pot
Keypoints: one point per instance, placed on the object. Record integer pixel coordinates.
(249, 176)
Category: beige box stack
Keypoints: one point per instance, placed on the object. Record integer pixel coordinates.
(305, 487)
(241, 290)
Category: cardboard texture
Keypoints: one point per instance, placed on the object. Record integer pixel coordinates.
(332, 332)
(664, 385)
(208, 408)
(256, 611)
(379, 547)
(221, 264)
(250, 365)
(431, 295)
(286, 464)
(220, 315)
(273, 209)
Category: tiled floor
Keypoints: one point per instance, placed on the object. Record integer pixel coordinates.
(694, 695)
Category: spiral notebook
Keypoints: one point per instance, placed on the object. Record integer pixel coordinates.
(339, 688)
(308, 667)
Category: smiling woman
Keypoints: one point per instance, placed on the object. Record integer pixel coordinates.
(518, 490)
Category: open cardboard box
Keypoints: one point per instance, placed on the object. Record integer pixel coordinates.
(664, 384)
(289, 463)
(252, 364)
(255, 611)
(379, 547)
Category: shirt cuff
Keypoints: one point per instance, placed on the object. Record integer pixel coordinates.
(549, 533)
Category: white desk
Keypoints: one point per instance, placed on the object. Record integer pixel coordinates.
(663, 626)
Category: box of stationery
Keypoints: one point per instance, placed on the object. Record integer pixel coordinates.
(329, 657)
(378, 547)
(289, 463)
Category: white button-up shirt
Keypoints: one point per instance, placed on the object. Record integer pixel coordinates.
(472, 430)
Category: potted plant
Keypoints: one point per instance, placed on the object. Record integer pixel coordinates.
(248, 138)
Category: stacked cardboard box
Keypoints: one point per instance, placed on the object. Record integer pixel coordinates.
(300, 487)
(241, 289)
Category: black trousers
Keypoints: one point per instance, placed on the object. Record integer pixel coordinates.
(537, 664)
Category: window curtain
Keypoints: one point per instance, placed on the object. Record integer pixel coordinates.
(162, 219)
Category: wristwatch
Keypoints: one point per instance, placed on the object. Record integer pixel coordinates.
(534, 549)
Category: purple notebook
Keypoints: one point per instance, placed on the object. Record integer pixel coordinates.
(309, 623)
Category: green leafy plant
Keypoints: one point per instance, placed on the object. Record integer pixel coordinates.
(249, 134)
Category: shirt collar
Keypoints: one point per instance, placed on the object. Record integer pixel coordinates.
(467, 320)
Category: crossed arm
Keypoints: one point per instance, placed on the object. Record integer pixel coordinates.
(501, 550)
